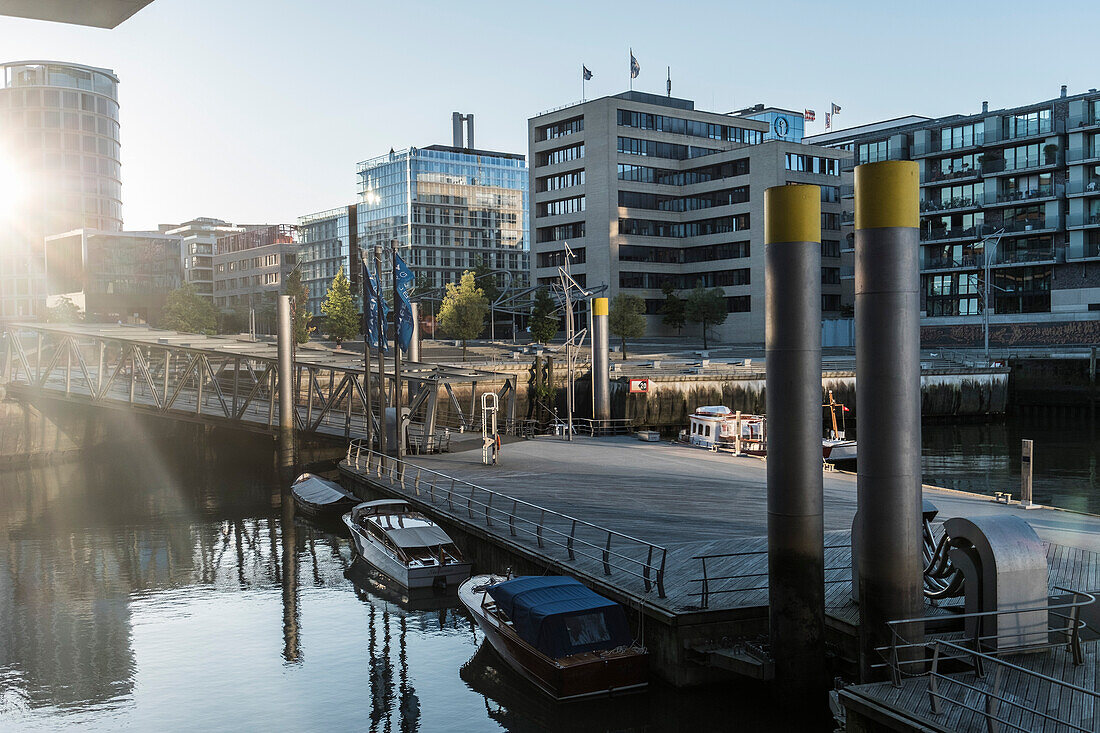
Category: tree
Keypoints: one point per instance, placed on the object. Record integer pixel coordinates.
(626, 318)
(299, 306)
(672, 309)
(66, 311)
(707, 307)
(462, 312)
(544, 322)
(187, 311)
(343, 319)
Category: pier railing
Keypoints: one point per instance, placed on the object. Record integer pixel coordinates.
(901, 652)
(614, 552)
(1018, 715)
(711, 584)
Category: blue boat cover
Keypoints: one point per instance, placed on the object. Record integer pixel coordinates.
(559, 616)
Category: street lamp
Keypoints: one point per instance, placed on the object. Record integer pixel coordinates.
(988, 254)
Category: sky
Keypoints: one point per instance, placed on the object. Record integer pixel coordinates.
(258, 111)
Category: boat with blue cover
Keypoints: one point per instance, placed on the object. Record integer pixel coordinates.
(316, 496)
(568, 640)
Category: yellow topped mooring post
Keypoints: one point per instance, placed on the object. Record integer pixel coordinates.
(796, 554)
(886, 534)
(601, 390)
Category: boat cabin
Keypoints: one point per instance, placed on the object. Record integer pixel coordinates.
(408, 535)
(559, 616)
(715, 426)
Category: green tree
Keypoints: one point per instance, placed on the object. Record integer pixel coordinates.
(299, 306)
(66, 311)
(462, 312)
(187, 311)
(673, 309)
(343, 319)
(707, 307)
(626, 318)
(544, 321)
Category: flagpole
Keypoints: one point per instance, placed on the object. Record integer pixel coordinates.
(363, 290)
(381, 355)
(397, 397)
(632, 69)
(582, 82)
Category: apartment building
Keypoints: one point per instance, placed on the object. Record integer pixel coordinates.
(253, 264)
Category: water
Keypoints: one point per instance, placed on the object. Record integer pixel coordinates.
(985, 458)
(164, 589)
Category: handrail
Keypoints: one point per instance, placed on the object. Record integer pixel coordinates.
(505, 509)
(705, 580)
(992, 698)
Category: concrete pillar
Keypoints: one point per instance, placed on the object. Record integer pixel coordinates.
(887, 280)
(796, 554)
(286, 383)
(414, 344)
(601, 385)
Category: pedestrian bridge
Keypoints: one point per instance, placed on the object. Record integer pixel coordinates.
(234, 381)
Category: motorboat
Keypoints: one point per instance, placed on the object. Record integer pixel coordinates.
(566, 639)
(316, 496)
(404, 545)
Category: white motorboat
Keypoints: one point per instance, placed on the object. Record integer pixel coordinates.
(405, 546)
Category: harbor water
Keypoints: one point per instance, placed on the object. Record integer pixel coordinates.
(172, 588)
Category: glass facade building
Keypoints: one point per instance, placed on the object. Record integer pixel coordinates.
(449, 209)
(59, 168)
(327, 244)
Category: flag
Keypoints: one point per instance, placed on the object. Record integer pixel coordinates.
(635, 67)
(585, 73)
(836, 108)
(845, 409)
(370, 309)
(403, 283)
(828, 120)
(809, 115)
(376, 323)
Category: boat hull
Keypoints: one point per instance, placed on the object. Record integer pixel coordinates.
(428, 576)
(606, 676)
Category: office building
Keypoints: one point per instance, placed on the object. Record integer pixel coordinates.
(113, 276)
(198, 238)
(650, 193)
(251, 266)
(449, 208)
(1016, 189)
(59, 168)
(328, 242)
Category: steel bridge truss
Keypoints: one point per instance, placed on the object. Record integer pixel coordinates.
(226, 380)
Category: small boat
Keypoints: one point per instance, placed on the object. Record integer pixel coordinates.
(569, 641)
(404, 545)
(316, 496)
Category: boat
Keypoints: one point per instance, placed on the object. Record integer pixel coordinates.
(569, 641)
(404, 545)
(716, 427)
(316, 496)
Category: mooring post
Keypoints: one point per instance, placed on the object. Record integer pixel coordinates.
(888, 541)
(796, 539)
(414, 343)
(601, 385)
(1026, 472)
(286, 390)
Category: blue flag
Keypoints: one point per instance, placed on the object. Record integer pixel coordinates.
(375, 336)
(403, 279)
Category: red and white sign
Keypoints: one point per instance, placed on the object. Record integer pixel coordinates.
(639, 386)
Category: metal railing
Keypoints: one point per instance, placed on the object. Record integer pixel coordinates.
(1071, 634)
(491, 509)
(991, 694)
(613, 426)
(705, 580)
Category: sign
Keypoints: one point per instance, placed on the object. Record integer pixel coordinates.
(639, 386)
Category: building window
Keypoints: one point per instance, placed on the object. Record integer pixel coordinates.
(830, 275)
(872, 152)
(561, 155)
(1026, 124)
(678, 230)
(559, 129)
(659, 202)
(739, 304)
(812, 164)
(961, 136)
(664, 176)
(557, 258)
(559, 233)
(693, 128)
(561, 180)
(830, 248)
(830, 302)
(572, 205)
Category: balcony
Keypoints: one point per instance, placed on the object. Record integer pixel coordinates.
(1088, 152)
(959, 202)
(935, 145)
(946, 263)
(1026, 132)
(935, 174)
(847, 217)
(1024, 256)
(1089, 186)
(936, 235)
(1082, 220)
(993, 197)
(1087, 119)
(847, 191)
(1013, 226)
(999, 166)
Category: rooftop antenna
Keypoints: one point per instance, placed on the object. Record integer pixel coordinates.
(668, 82)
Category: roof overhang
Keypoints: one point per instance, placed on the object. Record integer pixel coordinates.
(96, 13)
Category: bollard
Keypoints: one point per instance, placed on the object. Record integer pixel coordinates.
(1026, 471)
(601, 389)
(887, 280)
(286, 384)
(796, 540)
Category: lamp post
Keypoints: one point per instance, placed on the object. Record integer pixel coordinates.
(988, 253)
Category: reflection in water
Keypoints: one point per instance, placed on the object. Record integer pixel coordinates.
(174, 591)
